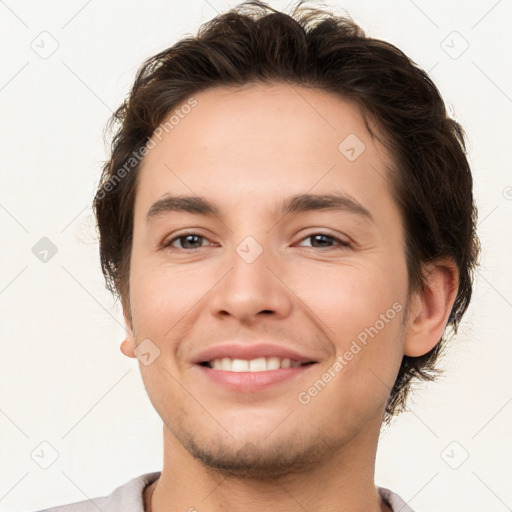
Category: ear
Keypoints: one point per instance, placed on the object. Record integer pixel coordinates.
(430, 308)
(128, 346)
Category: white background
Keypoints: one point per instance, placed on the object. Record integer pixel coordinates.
(63, 379)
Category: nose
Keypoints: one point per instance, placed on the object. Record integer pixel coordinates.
(252, 289)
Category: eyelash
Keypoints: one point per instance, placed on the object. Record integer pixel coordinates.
(341, 243)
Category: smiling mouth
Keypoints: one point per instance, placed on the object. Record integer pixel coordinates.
(260, 364)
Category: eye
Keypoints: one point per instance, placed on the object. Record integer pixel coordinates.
(193, 241)
(324, 240)
(188, 241)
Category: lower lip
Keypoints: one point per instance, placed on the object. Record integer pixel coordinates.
(251, 382)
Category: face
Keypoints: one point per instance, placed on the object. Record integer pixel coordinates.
(271, 301)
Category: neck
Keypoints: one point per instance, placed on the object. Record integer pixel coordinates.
(343, 482)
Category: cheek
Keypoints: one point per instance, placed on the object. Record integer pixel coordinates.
(361, 313)
(164, 302)
(164, 298)
(347, 300)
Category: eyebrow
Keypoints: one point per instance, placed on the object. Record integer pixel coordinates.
(295, 204)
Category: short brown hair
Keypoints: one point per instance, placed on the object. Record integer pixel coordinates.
(431, 178)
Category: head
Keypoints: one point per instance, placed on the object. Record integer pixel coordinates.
(258, 107)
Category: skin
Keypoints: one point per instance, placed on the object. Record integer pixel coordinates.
(246, 150)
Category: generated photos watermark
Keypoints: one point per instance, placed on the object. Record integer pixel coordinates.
(305, 397)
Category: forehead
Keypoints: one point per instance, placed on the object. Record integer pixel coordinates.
(263, 141)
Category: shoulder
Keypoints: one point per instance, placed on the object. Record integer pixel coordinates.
(393, 500)
(125, 498)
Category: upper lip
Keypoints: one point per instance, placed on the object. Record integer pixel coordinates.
(250, 351)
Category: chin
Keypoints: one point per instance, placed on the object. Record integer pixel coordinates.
(256, 458)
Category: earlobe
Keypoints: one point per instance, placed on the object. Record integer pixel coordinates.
(128, 346)
(431, 307)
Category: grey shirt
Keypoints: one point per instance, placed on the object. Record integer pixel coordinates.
(129, 498)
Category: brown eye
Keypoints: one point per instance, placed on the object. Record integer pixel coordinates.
(323, 240)
(189, 241)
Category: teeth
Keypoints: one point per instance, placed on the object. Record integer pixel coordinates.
(273, 363)
(261, 364)
(286, 363)
(239, 365)
(257, 365)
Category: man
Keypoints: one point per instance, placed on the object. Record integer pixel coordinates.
(287, 217)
